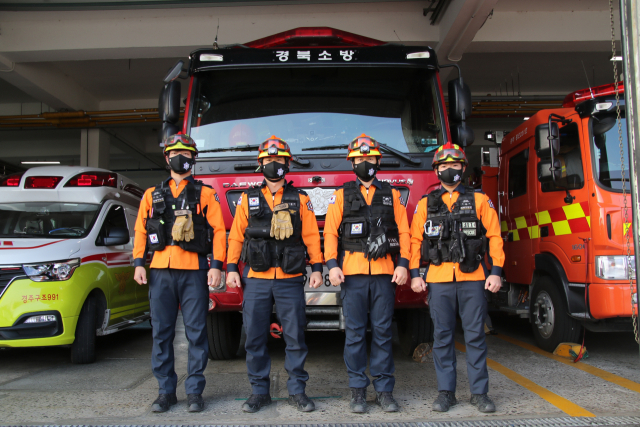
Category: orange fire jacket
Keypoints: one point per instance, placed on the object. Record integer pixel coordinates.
(446, 271)
(174, 256)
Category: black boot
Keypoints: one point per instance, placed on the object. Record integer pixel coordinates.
(195, 403)
(302, 402)
(444, 401)
(358, 400)
(386, 401)
(255, 402)
(164, 402)
(483, 403)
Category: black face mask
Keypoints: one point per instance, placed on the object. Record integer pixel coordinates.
(181, 164)
(366, 171)
(450, 176)
(275, 171)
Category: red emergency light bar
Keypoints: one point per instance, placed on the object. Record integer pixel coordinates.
(42, 181)
(314, 37)
(12, 180)
(578, 96)
(93, 179)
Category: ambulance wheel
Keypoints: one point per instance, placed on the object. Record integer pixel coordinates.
(550, 319)
(83, 349)
(414, 328)
(224, 331)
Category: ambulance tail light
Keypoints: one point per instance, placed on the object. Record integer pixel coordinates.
(12, 180)
(93, 179)
(578, 96)
(48, 182)
(313, 37)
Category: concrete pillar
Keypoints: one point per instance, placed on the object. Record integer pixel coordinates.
(94, 148)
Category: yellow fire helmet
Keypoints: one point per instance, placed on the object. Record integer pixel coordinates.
(179, 142)
(274, 147)
(363, 146)
(449, 153)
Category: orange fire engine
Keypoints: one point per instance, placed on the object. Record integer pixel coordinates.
(563, 219)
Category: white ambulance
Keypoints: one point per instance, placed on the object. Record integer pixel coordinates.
(66, 263)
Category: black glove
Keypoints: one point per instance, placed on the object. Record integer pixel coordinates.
(456, 251)
(377, 244)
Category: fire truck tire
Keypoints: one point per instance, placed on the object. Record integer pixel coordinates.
(83, 349)
(414, 328)
(224, 330)
(550, 319)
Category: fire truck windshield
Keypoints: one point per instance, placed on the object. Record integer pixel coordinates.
(606, 150)
(316, 107)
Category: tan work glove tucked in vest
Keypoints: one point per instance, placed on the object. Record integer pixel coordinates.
(182, 227)
(281, 226)
(188, 229)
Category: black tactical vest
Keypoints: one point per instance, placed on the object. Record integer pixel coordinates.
(260, 250)
(160, 223)
(358, 218)
(456, 236)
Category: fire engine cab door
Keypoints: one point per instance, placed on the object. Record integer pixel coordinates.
(518, 219)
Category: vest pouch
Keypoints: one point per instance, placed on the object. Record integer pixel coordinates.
(355, 228)
(155, 234)
(294, 260)
(259, 255)
(472, 256)
(429, 252)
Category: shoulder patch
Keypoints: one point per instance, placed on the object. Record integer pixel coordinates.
(310, 206)
(490, 203)
(416, 211)
(215, 195)
(332, 199)
(240, 200)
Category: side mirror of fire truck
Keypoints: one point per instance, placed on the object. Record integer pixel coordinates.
(459, 110)
(169, 109)
(544, 145)
(174, 72)
(459, 100)
(545, 174)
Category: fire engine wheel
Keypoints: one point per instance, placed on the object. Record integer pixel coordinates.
(550, 319)
(83, 349)
(414, 328)
(224, 330)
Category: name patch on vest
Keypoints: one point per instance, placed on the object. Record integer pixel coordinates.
(393, 243)
(466, 205)
(153, 238)
(356, 228)
(254, 203)
(182, 212)
(387, 201)
(469, 228)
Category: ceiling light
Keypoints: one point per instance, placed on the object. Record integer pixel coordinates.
(527, 118)
(418, 55)
(210, 57)
(616, 58)
(53, 162)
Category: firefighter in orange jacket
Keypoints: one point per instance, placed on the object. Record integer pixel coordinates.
(365, 228)
(175, 221)
(450, 230)
(273, 230)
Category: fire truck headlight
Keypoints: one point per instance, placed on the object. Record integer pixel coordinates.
(615, 267)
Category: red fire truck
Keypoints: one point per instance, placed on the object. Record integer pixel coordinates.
(317, 88)
(563, 219)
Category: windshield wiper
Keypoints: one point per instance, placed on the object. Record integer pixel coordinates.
(384, 148)
(295, 159)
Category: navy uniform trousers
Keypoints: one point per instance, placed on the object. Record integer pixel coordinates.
(469, 297)
(257, 306)
(363, 295)
(169, 290)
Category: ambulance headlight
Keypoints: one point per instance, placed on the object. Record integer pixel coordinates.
(50, 271)
(615, 267)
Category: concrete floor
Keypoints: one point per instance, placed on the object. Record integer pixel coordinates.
(41, 386)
